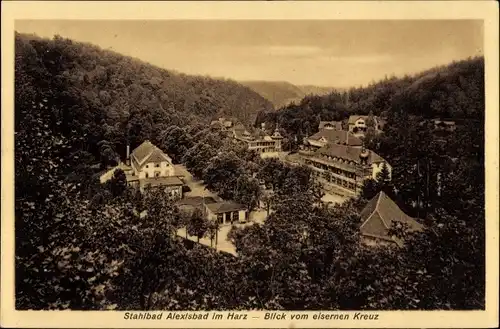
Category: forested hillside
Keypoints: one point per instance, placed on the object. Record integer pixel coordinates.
(282, 93)
(117, 91)
(454, 91)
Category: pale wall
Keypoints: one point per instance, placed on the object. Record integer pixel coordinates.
(166, 169)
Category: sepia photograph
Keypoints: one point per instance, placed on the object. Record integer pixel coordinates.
(277, 165)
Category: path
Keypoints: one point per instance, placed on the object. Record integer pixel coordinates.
(196, 186)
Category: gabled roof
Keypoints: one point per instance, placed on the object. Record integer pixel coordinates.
(385, 211)
(226, 206)
(335, 124)
(147, 152)
(337, 137)
(347, 153)
(354, 118)
(239, 126)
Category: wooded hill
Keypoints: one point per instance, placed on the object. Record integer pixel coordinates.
(282, 93)
(118, 90)
(454, 91)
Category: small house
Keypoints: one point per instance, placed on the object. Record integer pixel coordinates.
(226, 212)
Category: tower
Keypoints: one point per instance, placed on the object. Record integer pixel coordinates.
(363, 156)
(277, 139)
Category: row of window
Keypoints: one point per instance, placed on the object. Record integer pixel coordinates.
(157, 165)
(332, 169)
(157, 174)
(336, 180)
(340, 160)
(262, 144)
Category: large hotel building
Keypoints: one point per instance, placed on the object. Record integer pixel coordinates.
(340, 161)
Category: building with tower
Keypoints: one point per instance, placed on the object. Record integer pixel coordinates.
(344, 168)
(259, 140)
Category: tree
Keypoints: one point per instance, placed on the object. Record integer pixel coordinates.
(247, 192)
(222, 173)
(370, 189)
(273, 172)
(198, 224)
(176, 142)
(118, 183)
(267, 200)
(107, 153)
(197, 158)
(213, 230)
(370, 121)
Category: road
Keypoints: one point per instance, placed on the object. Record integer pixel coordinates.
(196, 186)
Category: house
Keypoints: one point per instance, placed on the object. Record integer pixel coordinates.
(189, 204)
(226, 212)
(337, 125)
(444, 125)
(358, 124)
(148, 161)
(345, 168)
(259, 141)
(378, 216)
(149, 167)
(171, 184)
(331, 136)
(222, 124)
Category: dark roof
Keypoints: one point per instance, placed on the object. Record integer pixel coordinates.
(196, 200)
(161, 181)
(385, 211)
(337, 136)
(347, 153)
(335, 124)
(226, 206)
(143, 150)
(147, 152)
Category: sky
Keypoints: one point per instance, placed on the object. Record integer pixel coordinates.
(335, 53)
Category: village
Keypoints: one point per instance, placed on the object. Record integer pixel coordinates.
(336, 154)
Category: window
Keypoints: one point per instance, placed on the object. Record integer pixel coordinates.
(157, 174)
(147, 166)
(147, 175)
(157, 165)
(220, 219)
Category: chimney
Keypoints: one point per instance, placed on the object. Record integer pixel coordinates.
(128, 154)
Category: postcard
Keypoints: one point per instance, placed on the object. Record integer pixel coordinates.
(260, 164)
